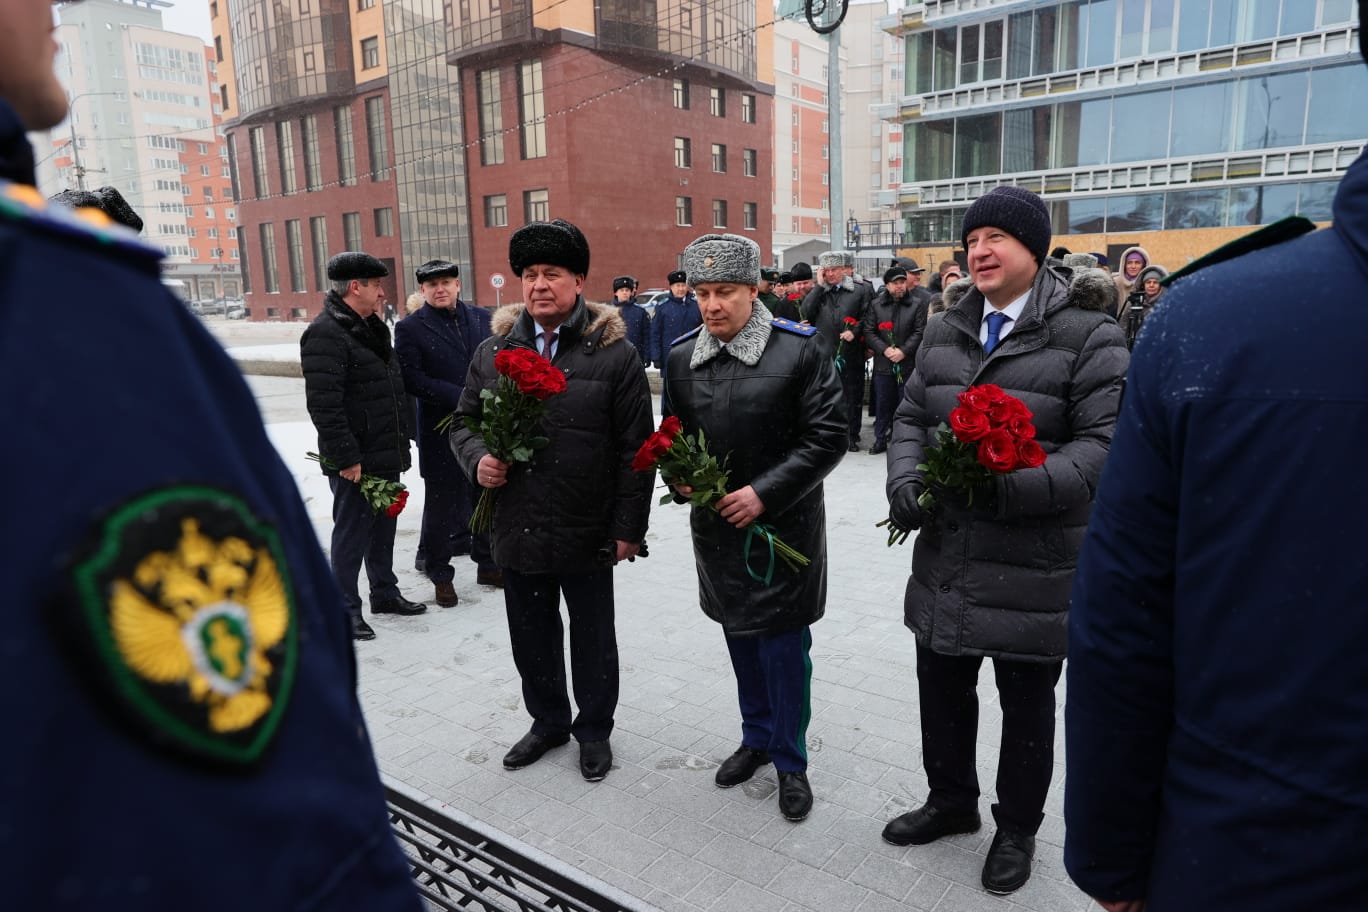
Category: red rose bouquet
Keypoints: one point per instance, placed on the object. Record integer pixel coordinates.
(684, 459)
(990, 433)
(380, 493)
(508, 422)
(887, 327)
(851, 324)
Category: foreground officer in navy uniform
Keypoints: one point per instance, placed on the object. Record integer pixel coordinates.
(355, 392)
(435, 345)
(182, 728)
(766, 392)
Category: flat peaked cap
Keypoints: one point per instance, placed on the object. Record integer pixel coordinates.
(769, 274)
(107, 199)
(722, 258)
(353, 264)
(622, 282)
(894, 274)
(553, 243)
(436, 269)
(678, 275)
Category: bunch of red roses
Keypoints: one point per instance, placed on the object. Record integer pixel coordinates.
(380, 493)
(684, 459)
(990, 433)
(887, 326)
(509, 416)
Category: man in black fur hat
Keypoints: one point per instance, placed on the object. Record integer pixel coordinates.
(564, 519)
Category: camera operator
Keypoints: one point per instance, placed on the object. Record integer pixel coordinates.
(1141, 301)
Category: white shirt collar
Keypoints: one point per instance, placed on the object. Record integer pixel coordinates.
(1013, 310)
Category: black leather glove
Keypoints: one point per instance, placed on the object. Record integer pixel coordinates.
(903, 509)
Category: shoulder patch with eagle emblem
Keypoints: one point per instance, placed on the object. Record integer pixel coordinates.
(182, 608)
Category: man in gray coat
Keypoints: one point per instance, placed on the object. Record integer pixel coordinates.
(993, 579)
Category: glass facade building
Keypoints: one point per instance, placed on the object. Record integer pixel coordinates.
(1129, 115)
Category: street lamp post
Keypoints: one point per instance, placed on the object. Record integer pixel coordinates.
(75, 146)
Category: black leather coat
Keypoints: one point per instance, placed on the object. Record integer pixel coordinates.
(782, 421)
(908, 316)
(355, 391)
(578, 493)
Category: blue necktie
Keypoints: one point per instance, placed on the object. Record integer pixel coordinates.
(995, 323)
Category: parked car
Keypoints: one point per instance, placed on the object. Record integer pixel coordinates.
(648, 299)
(207, 307)
(236, 309)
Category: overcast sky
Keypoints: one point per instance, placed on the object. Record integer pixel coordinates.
(189, 17)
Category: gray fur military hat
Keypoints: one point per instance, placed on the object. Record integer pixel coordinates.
(355, 265)
(834, 258)
(436, 269)
(722, 258)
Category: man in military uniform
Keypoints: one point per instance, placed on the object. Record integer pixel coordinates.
(765, 294)
(765, 392)
(674, 316)
(435, 345)
(836, 306)
(176, 668)
(355, 393)
(638, 322)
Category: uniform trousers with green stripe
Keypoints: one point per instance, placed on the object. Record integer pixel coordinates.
(774, 688)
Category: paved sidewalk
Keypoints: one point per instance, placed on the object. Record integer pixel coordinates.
(443, 704)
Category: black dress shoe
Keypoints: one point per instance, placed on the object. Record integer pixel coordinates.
(927, 824)
(1009, 862)
(420, 564)
(740, 766)
(853, 448)
(530, 749)
(878, 447)
(360, 629)
(795, 796)
(596, 758)
(397, 605)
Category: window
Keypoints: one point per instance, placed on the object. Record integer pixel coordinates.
(795, 118)
(223, 95)
(750, 214)
(257, 136)
(681, 94)
(683, 152)
(365, 4)
(719, 208)
(370, 53)
(747, 107)
(294, 242)
(313, 167)
(980, 47)
(536, 205)
(346, 147)
(532, 109)
(377, 138)
(683, 211)
(285, 146)
(826, 125)
(719, 158)
(384, 222)
(218, 47)
(749, 162)
(268, 258)
(496, 211)
(318, 236)
(717, 101)
(351, 230)
(491, 118)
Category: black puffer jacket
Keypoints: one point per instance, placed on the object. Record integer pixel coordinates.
(355, 391)
(782, 420)
(827, 307)
(908, 316)
(996, 582)
(579, 493)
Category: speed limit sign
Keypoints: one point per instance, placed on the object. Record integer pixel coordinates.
(496, 281)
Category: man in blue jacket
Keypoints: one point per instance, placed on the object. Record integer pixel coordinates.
(1217, 687)
(637, 320)
(674, 316)
(179, 687)
(435, 344)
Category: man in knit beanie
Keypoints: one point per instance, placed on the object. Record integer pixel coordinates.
(991, 570)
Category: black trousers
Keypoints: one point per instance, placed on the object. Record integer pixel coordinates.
(886, 393)
(361, 534)
(853, 387)
(949, 727)
(447, 506)
(534, 627)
